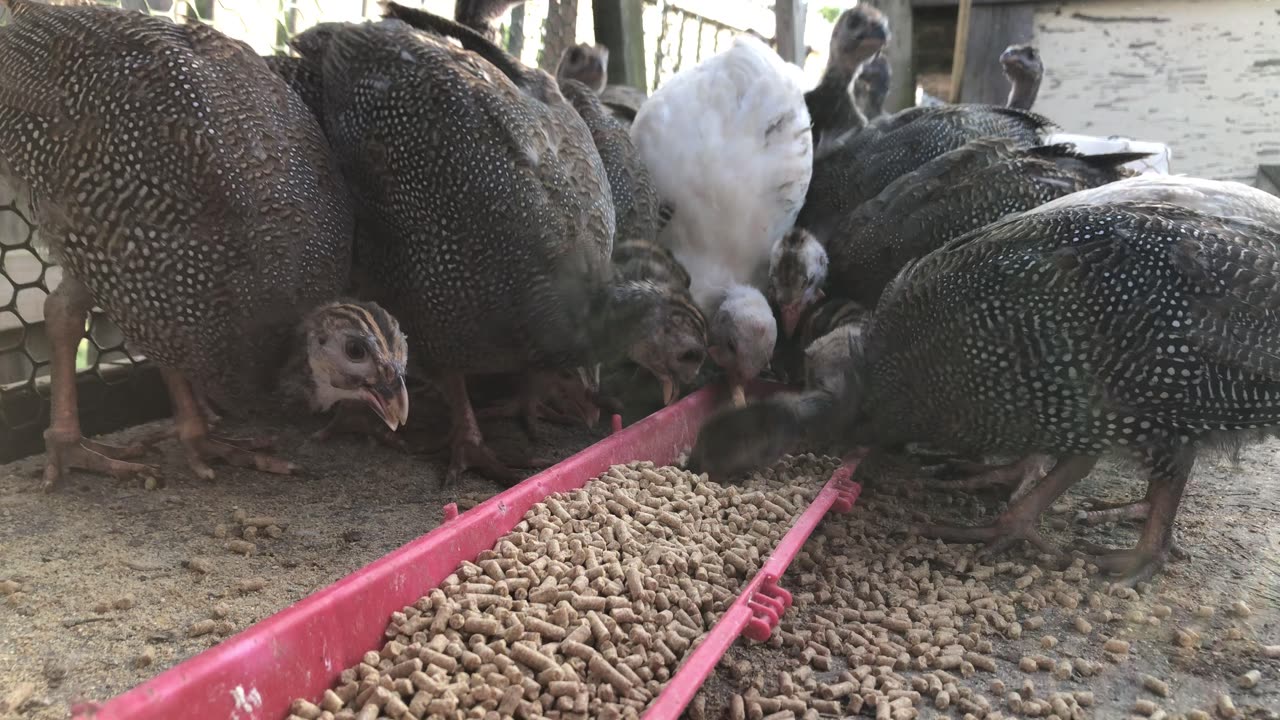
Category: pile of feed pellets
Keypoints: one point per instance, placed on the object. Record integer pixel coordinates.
(893, 626)
(591, 602)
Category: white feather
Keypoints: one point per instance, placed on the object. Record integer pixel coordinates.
(728, 145)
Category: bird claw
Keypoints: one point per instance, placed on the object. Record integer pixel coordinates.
(1128, 566)
(474, 455)
(203, 448)
(1001, 535)
(1100, 512)
(95, 457)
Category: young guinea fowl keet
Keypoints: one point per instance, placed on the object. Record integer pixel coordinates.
(589, 65)
(816, 322)
(857, 38)
(186, 191)
(1022, 65)
(728, 145)
(483, 210)
(1096, 322)
(797, 272)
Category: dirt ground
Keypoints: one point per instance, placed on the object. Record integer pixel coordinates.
(104, 580)
(112, 577)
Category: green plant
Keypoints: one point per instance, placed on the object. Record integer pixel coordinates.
(830, 13)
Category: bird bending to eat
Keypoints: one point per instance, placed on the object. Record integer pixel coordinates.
(190, 194)
(1102, 321)
(729, 148)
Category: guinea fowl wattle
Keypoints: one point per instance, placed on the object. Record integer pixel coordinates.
(1104, 320)
(188, 192)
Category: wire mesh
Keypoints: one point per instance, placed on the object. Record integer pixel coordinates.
(116, 387)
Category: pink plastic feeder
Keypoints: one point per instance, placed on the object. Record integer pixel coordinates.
(300, 651)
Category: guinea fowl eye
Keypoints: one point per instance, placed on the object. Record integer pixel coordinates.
(356, 350)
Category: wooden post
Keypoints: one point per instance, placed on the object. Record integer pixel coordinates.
(992, 28)
(789, 18)
(961, 51)
(902, 86)
(620, 27)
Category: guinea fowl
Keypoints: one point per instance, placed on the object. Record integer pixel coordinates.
(872, 87)
(1097, 322)
(589, 65)
(728, 145)
(863, 165)
(219, 250)
(816, 322)
(1022, 65)
(631, 324)
(494, 242)
(856, 39)
(948, 197)
(797, 272)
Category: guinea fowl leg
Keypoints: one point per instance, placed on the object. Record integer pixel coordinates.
(1169, 471)
(1099, 513)
(1018, 521)
(65, 311)
(467, 450)
(200, 446)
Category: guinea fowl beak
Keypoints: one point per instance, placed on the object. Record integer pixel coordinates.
(390, 402)
(669, 390)
(738, 394)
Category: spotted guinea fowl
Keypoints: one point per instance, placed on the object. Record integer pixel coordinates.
(950, 196)
(483, 210)
(861, 166)
(1093, 323)
(633, 323)
(857, 38)
(188, 193)
(589, 65)
(728, 145)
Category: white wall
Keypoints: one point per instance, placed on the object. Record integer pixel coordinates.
(1206, 81)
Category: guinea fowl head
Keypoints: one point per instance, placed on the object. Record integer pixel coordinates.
(588, 64)
(355, 351)
(742, 336)
(797, 272)
(479, 15)
(859, 34)
(1021, 62)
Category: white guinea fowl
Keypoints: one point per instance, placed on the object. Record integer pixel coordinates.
(728, 145)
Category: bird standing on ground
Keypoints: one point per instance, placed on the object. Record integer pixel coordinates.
(1096, 322)
(189, 193)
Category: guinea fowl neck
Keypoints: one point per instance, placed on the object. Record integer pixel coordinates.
(1022, 94)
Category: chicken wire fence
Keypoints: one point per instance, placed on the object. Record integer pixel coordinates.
(116, 387)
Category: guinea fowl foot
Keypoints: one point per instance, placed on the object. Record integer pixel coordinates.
(1130, 566)
(1018, 521)
(204, 448)
(1008, 530)
(1100, 512)
(92, 456)
(467, 453)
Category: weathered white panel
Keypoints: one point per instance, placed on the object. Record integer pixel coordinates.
(1203, 77)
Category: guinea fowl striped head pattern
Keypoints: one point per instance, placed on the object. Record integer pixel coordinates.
(192, 193)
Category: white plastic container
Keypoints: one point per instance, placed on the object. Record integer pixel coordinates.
(1158, 162)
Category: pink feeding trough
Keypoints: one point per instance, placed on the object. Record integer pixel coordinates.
(300, 651)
